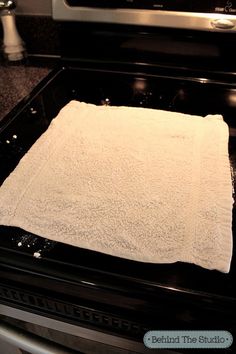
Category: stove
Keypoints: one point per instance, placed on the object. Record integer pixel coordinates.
(85, 293)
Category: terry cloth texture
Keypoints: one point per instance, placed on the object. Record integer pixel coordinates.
(142, 184)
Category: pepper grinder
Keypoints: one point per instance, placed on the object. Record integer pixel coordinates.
(13, 46)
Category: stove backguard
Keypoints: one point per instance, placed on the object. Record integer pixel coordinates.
(148, 46)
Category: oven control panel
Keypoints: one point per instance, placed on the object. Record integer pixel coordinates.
(204, 15)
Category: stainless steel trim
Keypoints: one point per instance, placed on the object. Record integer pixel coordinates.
(185, 20)
(30, 342)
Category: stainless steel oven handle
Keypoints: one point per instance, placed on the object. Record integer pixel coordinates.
(30, 342)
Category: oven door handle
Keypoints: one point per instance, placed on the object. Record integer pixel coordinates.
(31, 342)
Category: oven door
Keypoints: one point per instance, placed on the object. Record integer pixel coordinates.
(28, 333)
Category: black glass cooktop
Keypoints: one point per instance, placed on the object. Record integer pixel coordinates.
(163, 89)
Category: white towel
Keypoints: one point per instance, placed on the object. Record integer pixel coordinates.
(143, 184)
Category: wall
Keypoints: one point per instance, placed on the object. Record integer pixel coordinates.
(36, 27)
(32, 7)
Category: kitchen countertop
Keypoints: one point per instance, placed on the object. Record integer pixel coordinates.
(16, 82)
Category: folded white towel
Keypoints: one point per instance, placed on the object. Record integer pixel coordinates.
(142, 184)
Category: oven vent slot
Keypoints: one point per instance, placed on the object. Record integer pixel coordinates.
(75, 314)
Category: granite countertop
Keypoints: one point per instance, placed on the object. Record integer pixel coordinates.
(16, 82)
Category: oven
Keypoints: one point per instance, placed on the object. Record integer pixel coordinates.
(142, 54)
